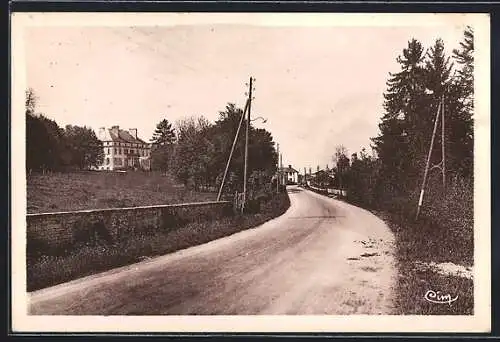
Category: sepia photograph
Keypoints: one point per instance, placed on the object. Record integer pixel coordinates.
(236, 172)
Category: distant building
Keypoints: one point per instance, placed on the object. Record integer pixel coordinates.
(289, 175)
(124, 149)
(323, 178)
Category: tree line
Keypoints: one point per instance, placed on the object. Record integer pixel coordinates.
(194, 149)
(391, 177)
(53, 148)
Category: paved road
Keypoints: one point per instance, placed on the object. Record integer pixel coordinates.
(322, 256)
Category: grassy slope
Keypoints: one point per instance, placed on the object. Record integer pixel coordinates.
(423, 242)
(97, 190)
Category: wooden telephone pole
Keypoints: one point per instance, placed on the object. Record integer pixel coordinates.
(232, 150)
(245, 172)
(278, 172)
(442, 164)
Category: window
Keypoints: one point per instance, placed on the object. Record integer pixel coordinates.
(114, 150)
(107, 161)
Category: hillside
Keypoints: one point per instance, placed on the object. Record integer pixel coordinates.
(97, 190)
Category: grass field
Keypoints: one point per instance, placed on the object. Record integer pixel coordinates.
(98, 190)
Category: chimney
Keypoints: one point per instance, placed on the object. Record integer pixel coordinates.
(289, 166)
(133, 132)
(102, 133)
(115, 129)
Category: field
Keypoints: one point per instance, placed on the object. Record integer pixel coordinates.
(98, 190)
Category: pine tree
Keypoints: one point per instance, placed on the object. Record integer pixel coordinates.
(397, 143)
(163, 139)
(461, 133)
(465, 59)
(164, 134)
(438, 70)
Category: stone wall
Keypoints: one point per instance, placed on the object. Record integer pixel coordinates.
(55, 233)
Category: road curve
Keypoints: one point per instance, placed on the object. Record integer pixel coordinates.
(322, 256)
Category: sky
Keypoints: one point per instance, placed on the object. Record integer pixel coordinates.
(318, 87)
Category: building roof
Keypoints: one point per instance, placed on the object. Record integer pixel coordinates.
(288, 169)
(328, 172)
(119, 135)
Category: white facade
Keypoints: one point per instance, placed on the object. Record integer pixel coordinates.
(289, 175)
(124, 150)
(292, 177)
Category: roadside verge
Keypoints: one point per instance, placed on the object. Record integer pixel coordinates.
(433, 279)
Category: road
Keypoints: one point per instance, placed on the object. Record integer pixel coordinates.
(323, 256)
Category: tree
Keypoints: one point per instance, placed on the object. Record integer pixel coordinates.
(202, 149)
(363, 179)
(461, 133)
(30, 101)
(164, 134)
(465, 59)
(342, 165)
(86, 149)
(162, 146)
(458, 97)
(262, 155)
(222, 137)
(401, 141)
(45, 144)
(190, 155)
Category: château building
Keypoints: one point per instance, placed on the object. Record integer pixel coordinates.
(124, 149)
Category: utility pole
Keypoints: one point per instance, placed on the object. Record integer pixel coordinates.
(278, 173)
(282, 178)
(232, 150)
(422, 189)
(443, 158)
(246, 145)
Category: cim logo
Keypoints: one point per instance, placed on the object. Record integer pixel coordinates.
(438, 298)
